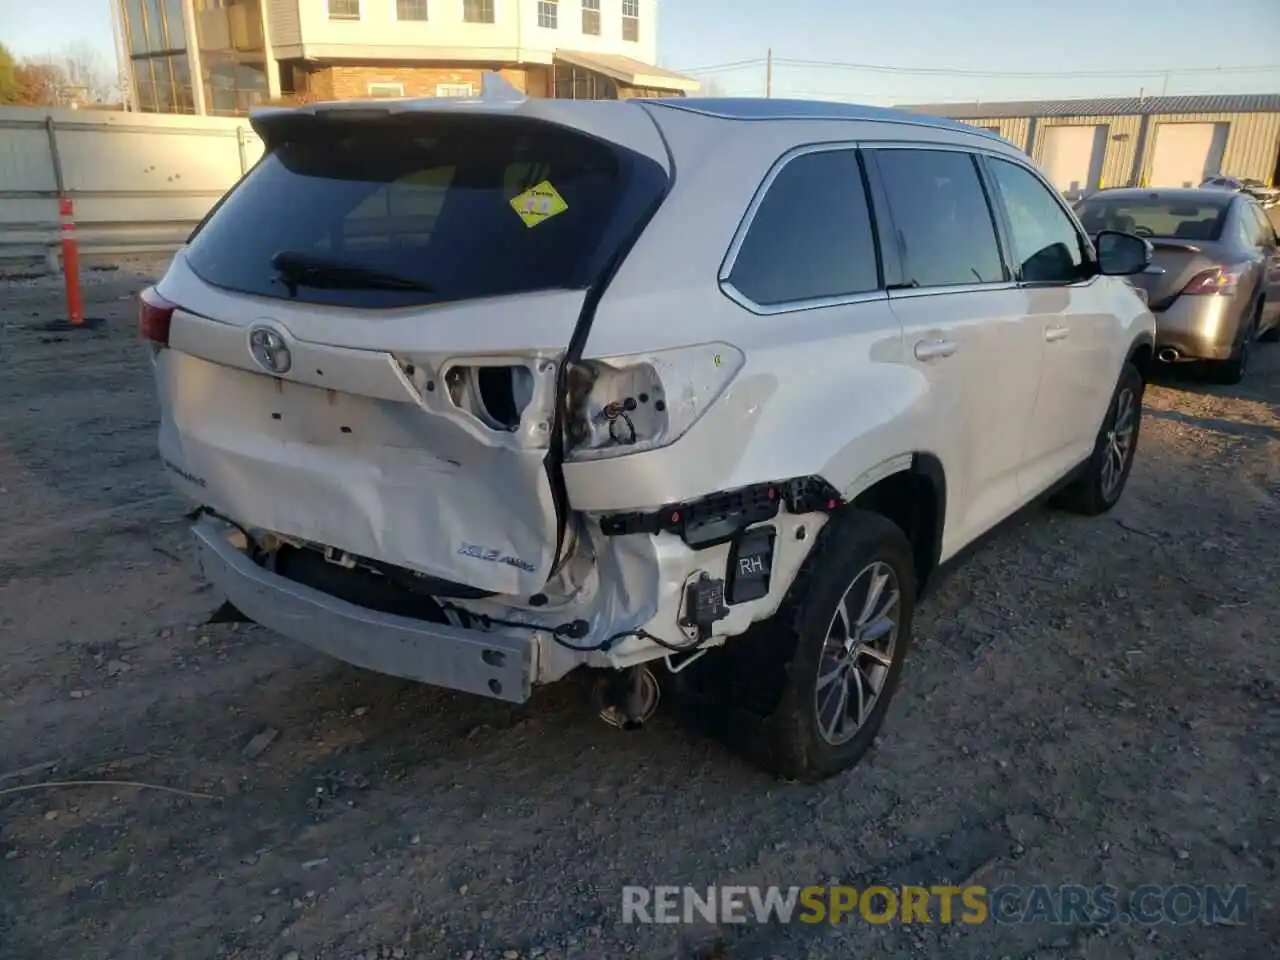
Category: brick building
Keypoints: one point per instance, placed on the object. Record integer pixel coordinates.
(225, 56)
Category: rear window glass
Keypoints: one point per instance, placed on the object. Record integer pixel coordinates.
(811, 236)
(1165, 217)
(443, 209)
(940, 211)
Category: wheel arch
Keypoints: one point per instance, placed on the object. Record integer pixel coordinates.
(911, 491)
(1142, 354)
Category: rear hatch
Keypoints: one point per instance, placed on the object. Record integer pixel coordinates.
(367, 333)
(1184, 229)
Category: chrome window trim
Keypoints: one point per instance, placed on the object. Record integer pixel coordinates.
(748, 218)
(790, 306)
(941, 291)
(796, 306)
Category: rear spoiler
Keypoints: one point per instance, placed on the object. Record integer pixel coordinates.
(610, 121)
(275, 123)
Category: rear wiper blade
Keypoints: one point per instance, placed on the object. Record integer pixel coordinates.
(305, 269)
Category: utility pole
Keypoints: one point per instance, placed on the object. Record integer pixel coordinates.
(768, 72)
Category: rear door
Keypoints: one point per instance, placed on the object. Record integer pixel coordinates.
(963, 326)
(369, 331)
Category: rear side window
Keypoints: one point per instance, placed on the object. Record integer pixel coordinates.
(941, 214)
(432, 210)
(1265, 232)
(1046, 244)
(1151, 215)
(811, 235)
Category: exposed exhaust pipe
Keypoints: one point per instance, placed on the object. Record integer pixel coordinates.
(1168, 355)
(627, 698)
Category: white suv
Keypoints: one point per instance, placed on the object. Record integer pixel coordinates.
(480, 391)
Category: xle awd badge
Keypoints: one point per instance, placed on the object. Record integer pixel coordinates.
(269, 350)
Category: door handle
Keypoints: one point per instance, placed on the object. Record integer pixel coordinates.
(1056, 333)
(934, 349)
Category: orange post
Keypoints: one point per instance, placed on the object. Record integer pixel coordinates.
(71, 261)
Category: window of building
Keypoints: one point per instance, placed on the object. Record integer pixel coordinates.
(411, 9)
(344, 9)
(941, 213)
(477, 11)
(1046, 246)
(233, 87)
(548, 14)
(156, 37)
(575, 83)
(591, 17)
(454, 90)
(631, 20)
(386, 89)
(233, 57)
(811, 236)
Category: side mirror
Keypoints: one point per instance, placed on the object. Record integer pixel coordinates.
(1122, 254)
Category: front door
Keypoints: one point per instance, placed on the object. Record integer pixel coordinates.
(963, 331)
(1065, 305)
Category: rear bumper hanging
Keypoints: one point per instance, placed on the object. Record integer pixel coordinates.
(493, 664)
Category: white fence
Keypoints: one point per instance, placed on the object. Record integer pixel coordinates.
(140, 182)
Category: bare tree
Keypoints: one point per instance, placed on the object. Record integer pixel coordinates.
(711, 87)
(88, 69)
(40, 85)
(80, 74)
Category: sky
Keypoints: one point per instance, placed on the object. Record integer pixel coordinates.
(1058, 44)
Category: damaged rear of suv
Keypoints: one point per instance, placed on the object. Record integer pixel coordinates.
(480, 392)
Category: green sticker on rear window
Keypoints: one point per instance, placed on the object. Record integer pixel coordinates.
(539, 203)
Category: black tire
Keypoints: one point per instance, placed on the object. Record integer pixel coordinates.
(1232, 370)
(759, 692)
(1094, 492)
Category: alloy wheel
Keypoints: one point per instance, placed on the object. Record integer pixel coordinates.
(857, 653)
(1119, 443)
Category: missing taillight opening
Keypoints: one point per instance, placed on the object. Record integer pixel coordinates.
(614, 406)
(495, 395)
(155, 316)
(628, 404)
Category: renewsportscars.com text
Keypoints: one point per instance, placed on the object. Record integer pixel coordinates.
(1064, 904)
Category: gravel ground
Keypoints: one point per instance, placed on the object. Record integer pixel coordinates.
(1088, 701)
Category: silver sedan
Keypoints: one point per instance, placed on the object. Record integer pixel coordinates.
(1214, 282)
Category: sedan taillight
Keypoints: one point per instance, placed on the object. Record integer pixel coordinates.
(1215, 280)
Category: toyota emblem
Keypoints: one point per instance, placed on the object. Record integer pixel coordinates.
(269, 350)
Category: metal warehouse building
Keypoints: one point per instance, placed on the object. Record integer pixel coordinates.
(1084, 145)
